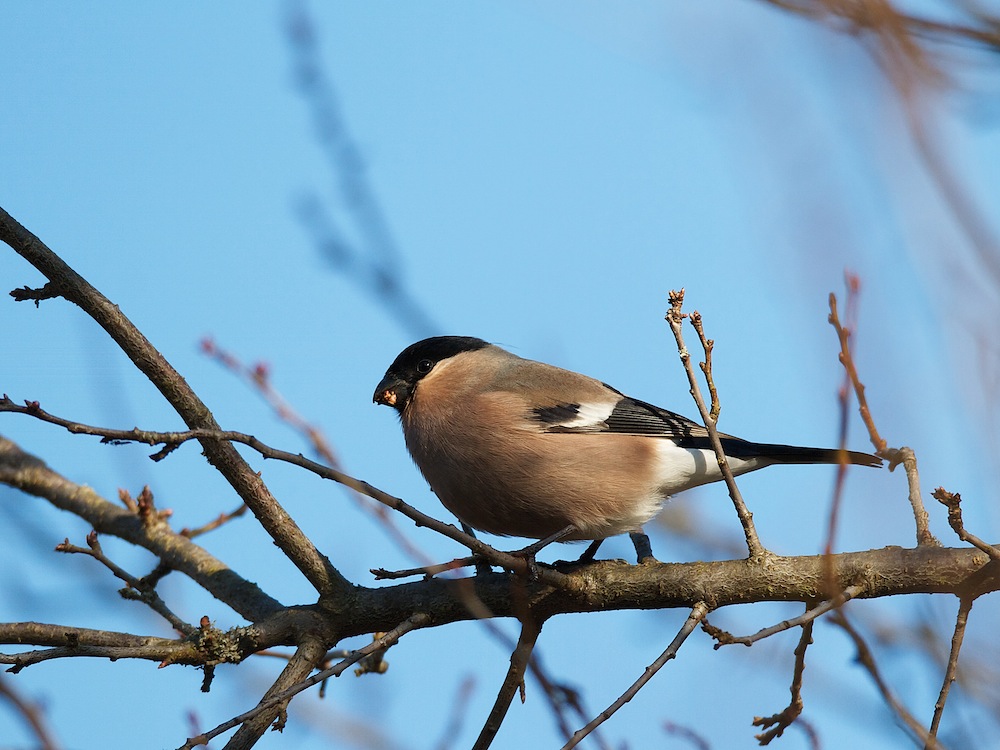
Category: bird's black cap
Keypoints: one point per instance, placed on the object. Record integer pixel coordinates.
(415, 361)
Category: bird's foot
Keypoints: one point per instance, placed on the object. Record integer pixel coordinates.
(529, 552)
(643, 549)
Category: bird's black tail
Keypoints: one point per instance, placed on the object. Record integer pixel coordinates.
(793, 454)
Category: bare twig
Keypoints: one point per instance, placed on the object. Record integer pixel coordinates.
(220, 520)
(953, 502)
(459, 709)
(221, 454)
(725, 639)
(33, 715)
(381, 574)
(259, 376)
(706, 367)
(776, 724)
(675, 318)
(518, 564)
(951, 671)
(137, 588)
(882, 18)
(69, 642)
(973, 220)
(698, 613)
(867, 659)
(844, 333)
(908, 458)
(512, 683)
(270, 702)
(686, 733)
(563, 700)
(30, 474)
(895, 456)
(843, 397)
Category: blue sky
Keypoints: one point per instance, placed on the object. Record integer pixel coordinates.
(548, 172)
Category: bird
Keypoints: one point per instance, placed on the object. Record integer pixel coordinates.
(520, 448)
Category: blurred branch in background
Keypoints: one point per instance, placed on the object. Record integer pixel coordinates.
(900, 32)
(366, 254)
(32, 713)
(920, 54)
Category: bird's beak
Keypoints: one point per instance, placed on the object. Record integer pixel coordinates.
(391, 391)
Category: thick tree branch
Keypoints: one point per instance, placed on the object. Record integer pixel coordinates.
(30, 474)
(288, 686)
(518, 563)
(75, 642)
(222, 455)
(273, 713)
(616, 585)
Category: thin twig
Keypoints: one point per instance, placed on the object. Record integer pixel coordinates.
(867, 659)
(698, 613)
(30, 474)
(844, 336)
(411, 623)
(381, 574)
(908, 458)
(862, 15)
(850, 377)
(686, 733)
(138, 589)
(726, 639)
(275, 520)
(895, 456)
(512, 683)
(511, 561)
(953, 501)
(259, 377)
(459, 709)
(518, 564)
(675, 318)
(776, 724)
(951, 671)
(373, 260)
(32, 713)
(162, 650)
(220, 520)
(706, 367)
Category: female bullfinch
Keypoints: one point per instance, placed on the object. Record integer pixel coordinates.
(521, 448)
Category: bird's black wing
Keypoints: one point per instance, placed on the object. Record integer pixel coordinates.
(628, 417)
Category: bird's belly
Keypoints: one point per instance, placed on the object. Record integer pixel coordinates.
(537, 487)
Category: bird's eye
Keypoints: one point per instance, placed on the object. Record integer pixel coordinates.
(424, 366)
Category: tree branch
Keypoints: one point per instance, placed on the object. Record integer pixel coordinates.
(675, 317)
(30, 474)
(514, 680)
(951, 670)
(867, 659)
(222, 455)
(517, 563)
(277, 696)
(698, 613)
